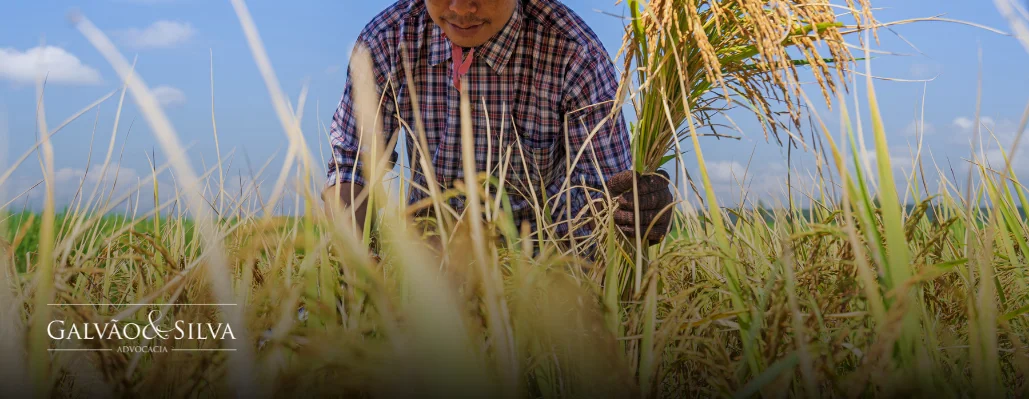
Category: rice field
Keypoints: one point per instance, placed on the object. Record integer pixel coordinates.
(871, 289)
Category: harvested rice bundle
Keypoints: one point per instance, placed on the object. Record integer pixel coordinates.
(682, 50)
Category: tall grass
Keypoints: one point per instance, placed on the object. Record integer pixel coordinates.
(858, 295)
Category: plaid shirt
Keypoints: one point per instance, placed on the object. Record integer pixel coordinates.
(537, 89)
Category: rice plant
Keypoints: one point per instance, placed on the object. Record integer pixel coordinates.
(699, 58)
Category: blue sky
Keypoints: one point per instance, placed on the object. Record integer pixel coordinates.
(309, 40)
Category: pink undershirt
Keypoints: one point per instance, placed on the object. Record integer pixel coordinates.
(461, 64)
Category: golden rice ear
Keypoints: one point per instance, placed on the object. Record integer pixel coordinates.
(701, 57)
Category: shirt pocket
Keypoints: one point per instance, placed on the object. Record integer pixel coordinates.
(535, 164)
(539, 138)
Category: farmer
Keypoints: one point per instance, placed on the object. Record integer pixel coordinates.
(539, 82)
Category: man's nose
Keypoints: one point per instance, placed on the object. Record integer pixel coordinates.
(464, 7)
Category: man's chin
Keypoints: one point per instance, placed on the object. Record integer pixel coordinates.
(468, 39)
(466, 42)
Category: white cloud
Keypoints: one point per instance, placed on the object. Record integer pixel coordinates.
(901, 159)
(992, 130)
(734, 184)
(332, 69)
(131, 185)
(725, 171)
(95, 175)
(916, 126)
(964, 123)
(159, 34)
(116, 181)
(925, 71)
(58, 65)
(169, 96)
(996, 159)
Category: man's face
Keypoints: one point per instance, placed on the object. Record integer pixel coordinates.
(469, 23)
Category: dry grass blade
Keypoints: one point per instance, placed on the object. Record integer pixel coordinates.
(290, 121)
(48, 136)
(1020, 25)
(39, 361)
(217, 267)
(496, 309)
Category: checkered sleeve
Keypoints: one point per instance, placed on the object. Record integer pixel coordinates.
(589, 97)
(345, 139)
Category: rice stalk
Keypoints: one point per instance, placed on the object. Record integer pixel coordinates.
(743, 47)
(39, 359)
(217, 270)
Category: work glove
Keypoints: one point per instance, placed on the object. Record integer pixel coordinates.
(654, 196)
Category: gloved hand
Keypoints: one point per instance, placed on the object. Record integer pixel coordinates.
(654, 197)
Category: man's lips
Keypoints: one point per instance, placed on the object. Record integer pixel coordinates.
(467, 30)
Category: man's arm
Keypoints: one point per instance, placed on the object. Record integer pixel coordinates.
(345, 181)
(340, 198)
(588, 100)
(607, 155)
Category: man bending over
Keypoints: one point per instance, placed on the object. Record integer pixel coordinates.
(539, 83)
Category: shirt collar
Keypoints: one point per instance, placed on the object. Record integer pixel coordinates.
(496, 51)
